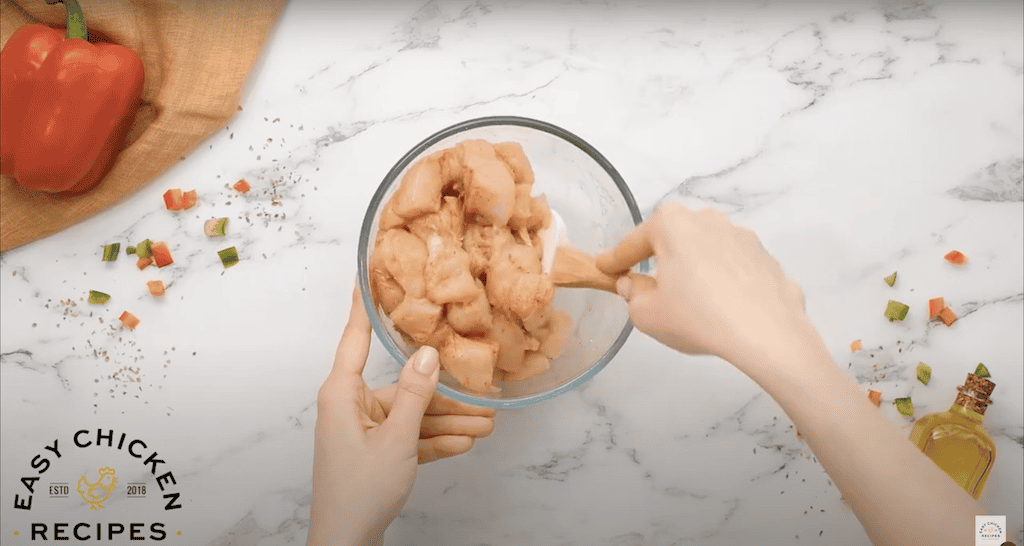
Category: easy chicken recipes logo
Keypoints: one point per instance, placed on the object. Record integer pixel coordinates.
(96, 493)
(42, 485)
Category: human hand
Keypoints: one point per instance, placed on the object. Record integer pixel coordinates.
(716, 290)
(368, 443)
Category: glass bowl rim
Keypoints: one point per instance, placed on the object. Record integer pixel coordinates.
(378, 198)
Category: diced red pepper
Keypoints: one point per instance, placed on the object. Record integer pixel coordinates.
(875, 397)
(156, 288)
(162, 254)
(947, 316)
(956, 257)
(129, 320)
(856, 345)
(143, 263)
(173, 199)
(934, 306)
(242, 186)
(189, 199)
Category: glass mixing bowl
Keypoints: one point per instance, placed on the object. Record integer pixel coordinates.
(598, 209)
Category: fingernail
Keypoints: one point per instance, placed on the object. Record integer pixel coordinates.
(426, 361)
(624, 286)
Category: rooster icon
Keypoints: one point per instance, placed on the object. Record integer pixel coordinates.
(97, 493)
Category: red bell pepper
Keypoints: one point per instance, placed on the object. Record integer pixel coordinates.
(66, 105)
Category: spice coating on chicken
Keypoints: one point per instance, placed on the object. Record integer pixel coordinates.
(420, 191)
(403, 256)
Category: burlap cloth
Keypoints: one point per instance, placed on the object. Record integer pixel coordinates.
(197, 55)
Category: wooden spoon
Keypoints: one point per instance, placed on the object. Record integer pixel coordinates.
(569, 266)
(574, 268)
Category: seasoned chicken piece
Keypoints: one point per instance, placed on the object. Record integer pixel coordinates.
(417, 317)
(470, 361)
(451, 160)
(386, 291)
(447, 222)
(420, 191)
(512, 342)
(540, 213)
(476, 148)
(534, 364)
(513, 155)
(403, 256)
(552, 328)
(480, 242)
(473, 317)
(447, 273)
(440, 335)
(520, 257)
(522, 211)
(490, 190)
(388, 218)
(520, 294)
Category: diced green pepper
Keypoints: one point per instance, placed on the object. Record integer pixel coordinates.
(924, 373)
(228, 257)
(111, 251)
(129, 250)
(981, 371)
(143, 249)
(904, 406)
(891, 279)
(98, 297)
(216, 227)
(896, 311)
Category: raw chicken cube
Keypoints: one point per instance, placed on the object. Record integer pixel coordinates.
(490, 191)
(480, 242)
(447, 222)
(521, 294)
(447, 273)
(521, 258)
(470, 361)
(404, 257)
(477, 244)
(513, 155)
(473, 317)
(522, 211)
(540, 213)
(417, 317)
(552, 328)
(474, 149)
(388, 218)
(451, 168)
(440, 335)
(512, 343)
(534, 364)
(420, 191)
(386, 291)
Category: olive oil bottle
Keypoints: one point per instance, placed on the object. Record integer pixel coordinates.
(955, 440)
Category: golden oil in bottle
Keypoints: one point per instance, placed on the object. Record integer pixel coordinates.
(954, 439)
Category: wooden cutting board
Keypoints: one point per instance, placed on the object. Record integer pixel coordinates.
(196, 53)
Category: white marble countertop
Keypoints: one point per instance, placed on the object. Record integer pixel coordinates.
(856, 139)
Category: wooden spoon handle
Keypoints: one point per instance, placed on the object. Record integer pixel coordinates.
(574, 268)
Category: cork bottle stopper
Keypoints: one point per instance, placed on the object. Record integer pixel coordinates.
(974, 394)
(979, 386)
